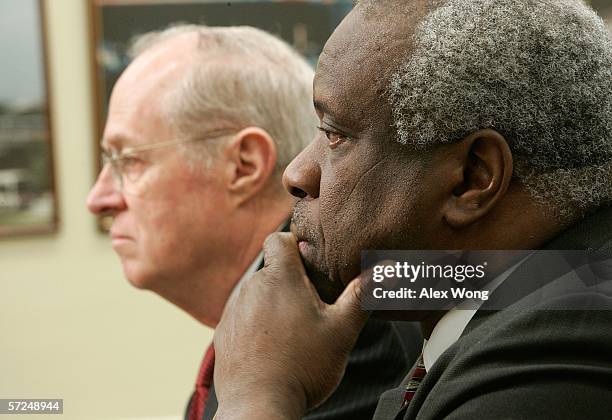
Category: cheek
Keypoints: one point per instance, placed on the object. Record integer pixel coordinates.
(345, 214)
(378, 212)
(158, 233)
(156, 218)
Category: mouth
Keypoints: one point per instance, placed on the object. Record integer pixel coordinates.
(303, 243)
(307, 250)
(118, 239)
(115, 235)
(307, 247)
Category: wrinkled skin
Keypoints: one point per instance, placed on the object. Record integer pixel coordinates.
(286, 285)
(344, 180)
(359, 189)
(350, 177)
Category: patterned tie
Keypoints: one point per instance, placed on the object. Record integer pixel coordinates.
(202, 386)
(414, 382)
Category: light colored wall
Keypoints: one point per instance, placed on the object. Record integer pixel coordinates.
(71, 327)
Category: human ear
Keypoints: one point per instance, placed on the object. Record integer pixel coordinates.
(482, 176)
(252, 159)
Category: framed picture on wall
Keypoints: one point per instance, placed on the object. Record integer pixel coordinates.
(305, 24)
(28, 203)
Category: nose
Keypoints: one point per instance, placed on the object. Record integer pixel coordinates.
(104, 198)
(303, 175)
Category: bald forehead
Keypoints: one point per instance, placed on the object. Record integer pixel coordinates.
(136, 108)
(160, 66)
(378, 32)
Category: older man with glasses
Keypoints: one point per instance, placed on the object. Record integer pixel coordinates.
(200, 128)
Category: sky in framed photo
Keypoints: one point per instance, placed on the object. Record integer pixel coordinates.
(27, 199)
(305, 24)
(21, 73)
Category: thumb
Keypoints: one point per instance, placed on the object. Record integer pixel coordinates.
(348, 305)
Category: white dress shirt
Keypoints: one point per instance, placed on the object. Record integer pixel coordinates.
(450, 327)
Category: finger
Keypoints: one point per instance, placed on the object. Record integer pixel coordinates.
(281, 253)
(229, 308)
(348, 306)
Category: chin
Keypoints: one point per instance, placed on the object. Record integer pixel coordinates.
(328, 289)
(137, 282)
(136, 277)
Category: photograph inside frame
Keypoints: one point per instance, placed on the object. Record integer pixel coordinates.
(305, 24)
(27, 197)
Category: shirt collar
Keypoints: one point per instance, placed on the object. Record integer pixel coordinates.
(450, 327)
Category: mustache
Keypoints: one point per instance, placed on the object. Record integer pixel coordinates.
(301, 227)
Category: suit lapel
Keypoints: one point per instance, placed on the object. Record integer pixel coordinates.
(593, 233)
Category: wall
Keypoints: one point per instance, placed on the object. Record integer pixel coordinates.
(71, 327)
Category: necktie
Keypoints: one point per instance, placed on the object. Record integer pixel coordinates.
(415, 380)
(202, 386)
(411, 387)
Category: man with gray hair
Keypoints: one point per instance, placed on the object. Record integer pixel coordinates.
(200, 128)
(446, 125)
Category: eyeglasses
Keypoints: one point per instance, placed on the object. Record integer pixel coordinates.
(125, 165)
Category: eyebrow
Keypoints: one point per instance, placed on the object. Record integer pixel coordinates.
(321, 106)
(116, 142)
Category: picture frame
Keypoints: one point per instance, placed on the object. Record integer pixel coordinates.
(28, 198)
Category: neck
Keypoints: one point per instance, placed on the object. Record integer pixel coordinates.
(518, 223)
(205, 291)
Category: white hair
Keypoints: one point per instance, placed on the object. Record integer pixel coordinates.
(243, 77)
(537, 71)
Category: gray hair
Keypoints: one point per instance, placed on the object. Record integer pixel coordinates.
(537, 71)
(243, 77)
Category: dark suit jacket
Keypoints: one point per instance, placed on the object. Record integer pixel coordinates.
(534, 359)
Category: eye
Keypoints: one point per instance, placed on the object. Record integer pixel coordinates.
(131, 166)
(334, 137)
(129, 161)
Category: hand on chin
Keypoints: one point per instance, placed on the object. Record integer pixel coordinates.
(278, 344)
